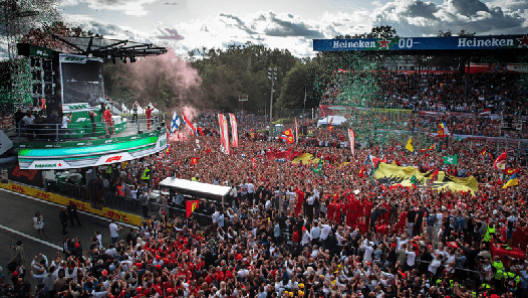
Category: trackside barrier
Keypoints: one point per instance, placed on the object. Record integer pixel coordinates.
(82, 206)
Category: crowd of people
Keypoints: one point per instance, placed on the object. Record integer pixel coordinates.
(298, 231)
(442, 91)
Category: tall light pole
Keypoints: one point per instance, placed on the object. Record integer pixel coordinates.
(242, 100)
(272, 75)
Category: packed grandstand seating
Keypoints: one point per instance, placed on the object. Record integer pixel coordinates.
(434, 91)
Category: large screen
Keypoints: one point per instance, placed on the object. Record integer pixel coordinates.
(82, 79)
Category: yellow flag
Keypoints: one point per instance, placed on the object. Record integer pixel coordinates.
(409, 145)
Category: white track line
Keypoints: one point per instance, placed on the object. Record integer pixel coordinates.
(60, 205)
(30, 237)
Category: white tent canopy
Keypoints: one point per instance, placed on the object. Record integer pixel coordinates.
(331, 120)
(203, 190)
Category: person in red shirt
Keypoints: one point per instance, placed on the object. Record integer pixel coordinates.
(148, 112)
(107, 115)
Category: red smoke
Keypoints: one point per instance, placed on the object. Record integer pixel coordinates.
(166, 79)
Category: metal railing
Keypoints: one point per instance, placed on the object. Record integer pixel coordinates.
(56, 132)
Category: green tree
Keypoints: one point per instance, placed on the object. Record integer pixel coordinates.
(442, 33)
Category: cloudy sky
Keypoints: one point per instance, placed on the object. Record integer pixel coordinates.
(190, 24)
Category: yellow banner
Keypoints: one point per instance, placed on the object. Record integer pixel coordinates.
(403, 175)
(82, 206)
(306, 158)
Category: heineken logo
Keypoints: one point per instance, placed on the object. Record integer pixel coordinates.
(46, 165)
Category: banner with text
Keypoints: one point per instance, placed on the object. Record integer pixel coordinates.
(491, 42)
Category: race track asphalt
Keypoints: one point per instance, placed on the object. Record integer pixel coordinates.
(16, 223)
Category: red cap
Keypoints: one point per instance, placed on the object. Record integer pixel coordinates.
(139, 289)
(158, 267)
(139, 265)
(104, 273)
(77, 245)
(170, 290)
(15, 273)
(158, 257)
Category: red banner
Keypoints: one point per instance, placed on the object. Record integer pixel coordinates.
(234, 129)
(189, 124)
(224, 132)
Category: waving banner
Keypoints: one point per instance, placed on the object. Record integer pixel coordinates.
(234, 129)
(224, 132)
(352, 139)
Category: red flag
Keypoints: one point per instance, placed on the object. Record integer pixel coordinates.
(189, 124)
(200, 131)
(362, 171)
(224, 132)
(190, 206)
(288, 132)
(500, 160)
(254, 163)
(300, 201)
(194, 160)
(290, 140)
(208, 151)
(234, 129)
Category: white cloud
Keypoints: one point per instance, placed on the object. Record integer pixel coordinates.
(128, 7)
(416, 18)
(289, 31)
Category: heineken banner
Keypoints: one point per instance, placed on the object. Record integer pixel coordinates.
(491, 42)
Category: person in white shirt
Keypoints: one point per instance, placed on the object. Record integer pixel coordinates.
(368, 247)
(411, 256)
(114, 231)
(315, 232)
(326, 229)
(306, 237)
(435, 264)
(250, 190)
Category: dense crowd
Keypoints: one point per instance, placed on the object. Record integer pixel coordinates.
(445, 91)
(336, 232)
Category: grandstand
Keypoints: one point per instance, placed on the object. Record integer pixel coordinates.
(483, 101)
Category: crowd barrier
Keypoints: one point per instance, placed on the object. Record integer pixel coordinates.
(82, 205)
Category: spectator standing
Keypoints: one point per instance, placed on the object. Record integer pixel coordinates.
(63, 216)
(38, 224)
(143, 199)
(114, 231)
(18, 256)
(72, 214)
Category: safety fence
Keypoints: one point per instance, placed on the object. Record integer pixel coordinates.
(43, 131)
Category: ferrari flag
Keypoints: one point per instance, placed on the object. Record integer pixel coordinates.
(190, 206)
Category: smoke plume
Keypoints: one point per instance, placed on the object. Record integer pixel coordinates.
(166, 80)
